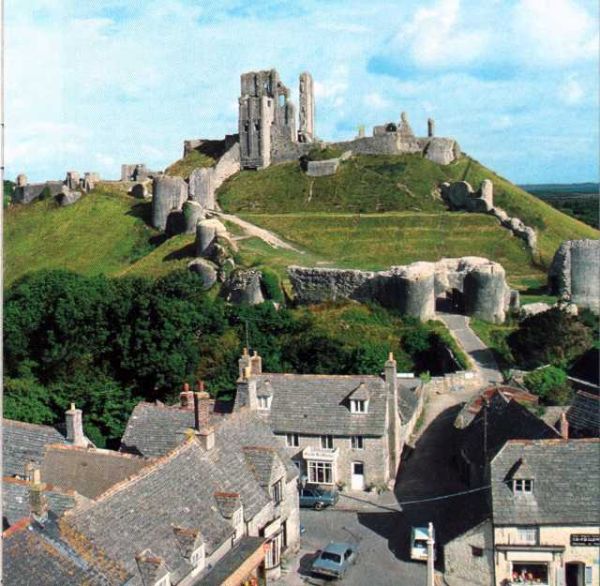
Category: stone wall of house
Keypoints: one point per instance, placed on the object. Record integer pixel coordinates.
(411, 289)
(575, 273)
(462, 566)
(554, 536)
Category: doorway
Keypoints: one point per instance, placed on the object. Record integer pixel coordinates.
(358, 476)
(575, 574)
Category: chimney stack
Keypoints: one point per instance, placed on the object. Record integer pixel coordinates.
(186, 397)
(37, 500)
(244, 362)
(255, 363)
(201, 410)
(74, 420)
(564, 426)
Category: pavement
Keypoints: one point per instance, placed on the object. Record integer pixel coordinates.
(480, 354)
(379, 525)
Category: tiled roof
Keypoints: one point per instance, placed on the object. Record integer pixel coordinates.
(155, 429)
(23, 443)
(88, 471)
(566, 483)
(319, 404)
(587, 367)
(408, 399)
(265, 464)
(584, 414)
(139, 514)
(228, 503)
(36, 555)
(506, 419)
(15, 500)
(178, 490)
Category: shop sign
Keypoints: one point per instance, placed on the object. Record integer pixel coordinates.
(585, 540)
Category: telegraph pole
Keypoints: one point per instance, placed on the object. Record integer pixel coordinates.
(430, 555)
(1, 243)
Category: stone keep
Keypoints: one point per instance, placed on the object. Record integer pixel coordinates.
(306, 115)
(169, 193)
(265, 114)
(575, 273)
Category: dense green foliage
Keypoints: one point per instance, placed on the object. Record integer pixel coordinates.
(9, 189)
(550, 384)
(107, 343)
(551, 337)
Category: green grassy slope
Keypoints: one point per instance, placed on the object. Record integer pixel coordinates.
(340, 217)
(104, 232)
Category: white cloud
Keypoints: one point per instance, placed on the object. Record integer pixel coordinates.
(377, 101)
(571, 91)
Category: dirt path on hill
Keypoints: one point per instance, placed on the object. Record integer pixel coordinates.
(253, 230)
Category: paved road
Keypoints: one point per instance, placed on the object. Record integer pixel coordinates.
(383, 534)
(480, 354)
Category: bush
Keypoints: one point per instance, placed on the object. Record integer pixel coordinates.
(272, 286)
(550, 384)
(551, 337)
(323, 154)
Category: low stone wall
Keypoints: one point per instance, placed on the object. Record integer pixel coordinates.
(412, 289)
(322, 168)
(575, 273)
(461, 380)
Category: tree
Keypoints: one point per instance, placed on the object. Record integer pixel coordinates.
(27, 400)
(550, 384)
(551, 337)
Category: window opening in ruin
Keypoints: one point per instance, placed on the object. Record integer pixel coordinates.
(281, 100)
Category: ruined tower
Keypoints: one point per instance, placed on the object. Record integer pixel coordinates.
(307, 109)
(266, 117)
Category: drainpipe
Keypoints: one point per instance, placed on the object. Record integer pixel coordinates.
(430, 556)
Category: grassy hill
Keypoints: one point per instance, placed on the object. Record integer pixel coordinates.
(104, 232)
(382, 210)
(375, 212)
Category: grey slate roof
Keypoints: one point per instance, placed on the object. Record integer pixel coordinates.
(228, 503)
(408, 399)
(88, 471)
(139, 514)
(566, 483)
(25, 442)
(178, 490)
(34, 555)
(15, 500)
(506, 419)
(584, 414)
(266, 465)
(319, 404)
(155, 429)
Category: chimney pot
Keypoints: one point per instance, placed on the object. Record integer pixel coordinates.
(564, 426)
(74, 421)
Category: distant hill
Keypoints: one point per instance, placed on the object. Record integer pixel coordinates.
(578, 200)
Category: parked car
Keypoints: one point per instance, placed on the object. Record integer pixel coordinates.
(418, 543)
(335, 560)
(317, 498)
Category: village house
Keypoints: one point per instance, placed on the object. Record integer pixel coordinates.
(546, 512)
(500, 415)
(338, 430)
(584, 413)
(245, 457)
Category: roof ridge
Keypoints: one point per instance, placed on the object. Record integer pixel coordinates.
(94, 450)
(47, 486)
(27, 424)
(21, 524)
(153, 465)
(318, 376)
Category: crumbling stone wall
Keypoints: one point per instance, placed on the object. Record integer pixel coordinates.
(136, 172)
(461, 196)
(169, 194)
(575, 273)
(306, 128)
(411, 289)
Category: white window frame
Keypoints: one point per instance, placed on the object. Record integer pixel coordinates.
(357, 442)
(164, 581)
(359, 406)
(523, 486)
(326, 442)
(527, 535)
(292, 440)
(326, 469)
(264, 403)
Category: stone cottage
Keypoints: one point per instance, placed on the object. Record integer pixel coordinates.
(338, 430)
(242, 465)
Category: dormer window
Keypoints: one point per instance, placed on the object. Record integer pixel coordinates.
(164, 581)
(197, 558)
(264, 403)
(522, 486)
(359, 406)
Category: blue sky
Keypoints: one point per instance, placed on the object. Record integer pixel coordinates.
(91, 85)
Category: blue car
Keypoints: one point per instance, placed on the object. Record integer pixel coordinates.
(317, 498)
(335, 560)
